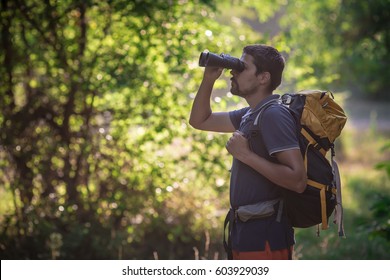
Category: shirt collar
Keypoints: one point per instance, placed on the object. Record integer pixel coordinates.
(266, 100)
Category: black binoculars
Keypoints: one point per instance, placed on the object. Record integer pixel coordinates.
(221, 61)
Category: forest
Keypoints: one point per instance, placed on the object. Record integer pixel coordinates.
(98, 160)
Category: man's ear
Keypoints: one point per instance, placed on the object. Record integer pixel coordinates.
(264, 77)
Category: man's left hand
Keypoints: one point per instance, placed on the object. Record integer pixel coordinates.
(238, 146)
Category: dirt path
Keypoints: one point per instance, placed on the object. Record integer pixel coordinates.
(368, 114)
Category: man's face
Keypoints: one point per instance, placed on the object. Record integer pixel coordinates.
(246, 82)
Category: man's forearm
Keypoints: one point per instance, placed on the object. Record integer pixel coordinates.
(280, 174)
(201, 107)
(289, 172)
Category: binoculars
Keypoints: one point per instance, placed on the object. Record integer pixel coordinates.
(221, 61)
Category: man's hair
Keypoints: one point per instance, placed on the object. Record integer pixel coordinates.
(267, 59)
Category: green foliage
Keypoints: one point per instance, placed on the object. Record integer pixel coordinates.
(96, 153)
(330, 44)
(97, 160)
(385, 165)
(380, 227)
(365, 34)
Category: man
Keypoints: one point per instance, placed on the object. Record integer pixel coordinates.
(265, 163)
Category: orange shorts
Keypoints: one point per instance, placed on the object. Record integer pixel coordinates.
(267, 254)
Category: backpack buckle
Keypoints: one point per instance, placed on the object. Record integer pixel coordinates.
(286, 99)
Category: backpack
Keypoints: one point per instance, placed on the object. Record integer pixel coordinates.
(320, 121)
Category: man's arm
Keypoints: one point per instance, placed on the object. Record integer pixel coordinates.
(289, 172)
(202, 116)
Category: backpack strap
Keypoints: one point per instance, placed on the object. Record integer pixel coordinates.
(256, 123)
(227, 242)
(312, 141)
(339, 214)
(262, 109)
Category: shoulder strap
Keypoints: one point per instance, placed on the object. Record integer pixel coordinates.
(262, 109)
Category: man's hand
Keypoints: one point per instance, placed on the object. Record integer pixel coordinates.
(212, 73)
(238, 146)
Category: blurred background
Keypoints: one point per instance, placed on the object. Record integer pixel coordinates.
(97, 159)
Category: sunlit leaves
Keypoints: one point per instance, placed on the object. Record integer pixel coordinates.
(94, 130)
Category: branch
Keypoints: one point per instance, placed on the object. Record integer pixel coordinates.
(7, 45)
(24, 10)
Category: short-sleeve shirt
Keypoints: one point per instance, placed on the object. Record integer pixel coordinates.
(276, 132)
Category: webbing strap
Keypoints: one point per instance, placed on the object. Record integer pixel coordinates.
(312, 141)
(305, 157)
(261, 109)
(280, 211)
(323, 209)
(321, 186)
(315, 184)
(339, 215)
(227, 242)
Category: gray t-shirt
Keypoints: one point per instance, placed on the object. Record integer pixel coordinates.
(277, 131)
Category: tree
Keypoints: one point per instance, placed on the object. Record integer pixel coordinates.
(337, 45)
(95, 151)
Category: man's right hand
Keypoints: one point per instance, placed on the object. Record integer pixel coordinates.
(212, 73)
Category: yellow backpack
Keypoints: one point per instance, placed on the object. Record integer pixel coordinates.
(320, 120)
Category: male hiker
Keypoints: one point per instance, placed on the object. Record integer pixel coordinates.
(266, 157)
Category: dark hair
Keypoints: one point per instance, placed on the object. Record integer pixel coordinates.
(267, 59)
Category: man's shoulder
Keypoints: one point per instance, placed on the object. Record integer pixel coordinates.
(277, 117)
(236, 115)
(277, 111)
(241, 111)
